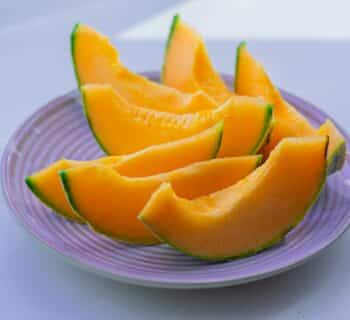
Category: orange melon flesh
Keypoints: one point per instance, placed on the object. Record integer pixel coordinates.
(187, 65)
(337, 146)
(124, 128)
(95, 60)
(46, 184)
(252, 80)
(249, 216)
(110, 203)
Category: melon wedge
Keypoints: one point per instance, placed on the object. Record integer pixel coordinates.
(249, 216)
(110, 203)
(124, 128)
(252, 80)
(95, 60)
(187, 65)
(46, 184)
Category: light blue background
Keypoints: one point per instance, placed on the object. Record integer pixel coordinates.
(35, 66)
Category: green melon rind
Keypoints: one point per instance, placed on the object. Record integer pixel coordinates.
(220, 131)
(241, 45)
(268, 124)
(274, 241)
(259, 160)
(337, 159)
(73, 40)
(174, 23)
(36, 191)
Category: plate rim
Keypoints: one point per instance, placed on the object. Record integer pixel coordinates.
(149, 280)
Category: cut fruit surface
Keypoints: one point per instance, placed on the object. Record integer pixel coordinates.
(110, 203)
(249, 216)
(337, 146)
(252, 80)
(187, 65)
(95, 60)
(124, 128)
(46, 184)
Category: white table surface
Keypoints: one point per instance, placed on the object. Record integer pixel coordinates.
(35, 67)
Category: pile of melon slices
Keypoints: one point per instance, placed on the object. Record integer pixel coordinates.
(216, 172)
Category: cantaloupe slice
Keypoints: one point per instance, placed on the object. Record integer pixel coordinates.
(95, 60)
(187, 65)
(124, 128)
(46, 185)
(249, 216)
(110, 203)
(252, 80)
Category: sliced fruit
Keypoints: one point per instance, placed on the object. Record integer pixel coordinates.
(124, 128)
(110, 203)
(95, 60)
(249, 216)
(187, 65)
(252, 80)
(336, 148)
(46, 184)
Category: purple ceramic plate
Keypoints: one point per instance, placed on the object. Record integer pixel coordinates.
(59, 129)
